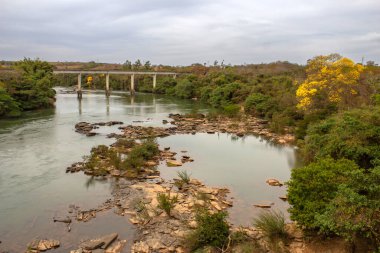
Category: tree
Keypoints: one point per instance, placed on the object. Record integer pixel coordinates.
(312, 187)
(147, 65)
(34, 89)
(8, 106)
(337, 197)
(330, 79)
(137, 65)
(185, 88)
(127, 65)
(353, 134)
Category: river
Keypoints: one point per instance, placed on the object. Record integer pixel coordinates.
(36, 149)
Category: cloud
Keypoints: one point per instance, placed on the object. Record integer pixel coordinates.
(184, 32)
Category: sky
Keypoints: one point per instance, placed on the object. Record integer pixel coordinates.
(182, 32)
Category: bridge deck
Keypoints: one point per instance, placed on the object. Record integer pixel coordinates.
(113, 72)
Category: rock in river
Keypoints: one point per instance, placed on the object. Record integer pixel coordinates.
(173, 163)
(101, 242)
(274, 182)
(43, 244)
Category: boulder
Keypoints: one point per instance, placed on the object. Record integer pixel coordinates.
(264, 205)
(117, 248)
(43, 244)
(173, 163)
(140, 247)
(101, 242)
(274, 182)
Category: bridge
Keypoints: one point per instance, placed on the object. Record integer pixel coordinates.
(114, 72)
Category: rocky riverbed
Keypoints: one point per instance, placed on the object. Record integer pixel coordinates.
(192, 124)
(137, 196)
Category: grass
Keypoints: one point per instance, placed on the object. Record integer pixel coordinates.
(184, 176)
(271, 223)
(166, 203)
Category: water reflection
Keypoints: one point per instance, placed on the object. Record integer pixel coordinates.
(92, 180)
(80, 106)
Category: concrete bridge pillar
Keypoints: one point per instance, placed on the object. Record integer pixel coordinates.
(174, 76)
(107, 84)
(132, 84)
(79, 88)
(154, 82)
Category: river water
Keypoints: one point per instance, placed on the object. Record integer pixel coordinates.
(36, 149)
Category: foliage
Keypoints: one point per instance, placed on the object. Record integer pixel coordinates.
(355, 211)
(330, 79)
(166, 203)
(184, 176)
(312, 187)
(165, 85)
(141, 153)
(258, 104)
(231, 110)
(353, 134)
(30, 87)
(337, 197)
(271, 223)
(34, 89)
(212, 230)
(125, 143)
(9, 107)
(227, 94)
(184, 89)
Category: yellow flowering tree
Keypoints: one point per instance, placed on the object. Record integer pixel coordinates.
(330, 79)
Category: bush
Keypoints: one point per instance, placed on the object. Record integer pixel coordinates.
(166, 203)
(312, 187)
(355, 210)
(231, 110)
(353, 134)
(184, 89)
(34, 89)
(224, 95)
(337, 197)
(271, 223)
(8, 106)
(125, 143)
(141, 153)
(258, 104)
(164, 85)
(212, 230)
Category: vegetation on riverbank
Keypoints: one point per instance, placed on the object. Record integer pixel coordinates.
(28, 88)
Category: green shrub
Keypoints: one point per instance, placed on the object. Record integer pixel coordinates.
(141, 153)
(224, 95)
(353, 135)
(355, 210)
(212, 230)
(184, 89)
(231, 110)
(271, 223)
(312, 187)
(166, 203)
(8, 106)
(258, 104)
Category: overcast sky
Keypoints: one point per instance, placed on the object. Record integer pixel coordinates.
(180, 32)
